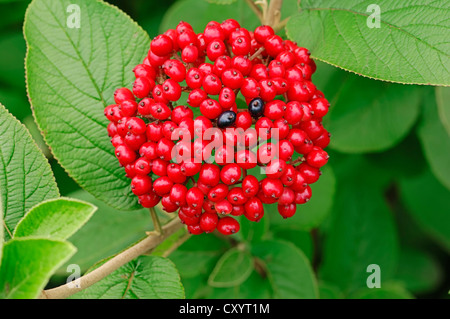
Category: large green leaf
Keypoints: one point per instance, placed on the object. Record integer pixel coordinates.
(71, 77)
(232, 269)
(409, 47)
(371, 116)
(428, 202)
(199, 13)
(147, 277)
(288, 269)
(28, 264)
(435, 141)
(443, 103)
(362, 232)
(26, 178)
(56, 219)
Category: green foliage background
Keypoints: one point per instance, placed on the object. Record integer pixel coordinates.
(383, 199)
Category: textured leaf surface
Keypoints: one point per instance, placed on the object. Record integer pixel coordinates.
(147, 277)
(409, 47)
(28, 264)
(71, 77)
(288, 269)
(26, 178)
(56, 219)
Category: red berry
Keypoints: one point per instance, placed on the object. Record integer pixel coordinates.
(230, 174)
(194, 197)
(178, 194)
(254, 209)
(195, 229)
(141, 184)
(174, 173)
(149, 200)
(317, 158)
(142, 166)
(287, 210)
(210, 174)
(162, 45)
(228, 226)
(250, 186)
(208, 222)
(272, 187)
(125, 155)
(162, 185)
(263, 32)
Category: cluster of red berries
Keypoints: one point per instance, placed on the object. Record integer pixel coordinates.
(214, 67)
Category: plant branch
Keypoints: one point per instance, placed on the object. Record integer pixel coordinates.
(273, 15)
(255, 9)
(155, 219)
(148, 243)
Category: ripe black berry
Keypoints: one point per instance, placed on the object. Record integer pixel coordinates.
(256, 107)
(226, 119)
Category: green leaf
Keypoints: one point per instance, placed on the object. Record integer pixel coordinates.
(435, 142)
(26, 178)
(442, 100)
(71, 77)
(232, 269)
(28, 264)
(409, 47)
(371, 116)
(288, 269)
(390, 290)
(419, 271)
(428, 202)
(56, 219)
(311, 214)
(199, 13)
(362, 232)
(147, 277)
(107, 232)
